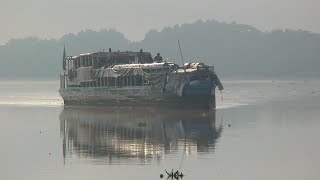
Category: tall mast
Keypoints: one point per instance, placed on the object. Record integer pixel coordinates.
(64, 58)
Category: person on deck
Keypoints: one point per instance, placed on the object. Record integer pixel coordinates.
(141, 57)
(158, 58)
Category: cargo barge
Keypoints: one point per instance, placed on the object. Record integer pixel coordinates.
(136, 79)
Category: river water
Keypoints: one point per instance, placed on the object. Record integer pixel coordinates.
(260, 130)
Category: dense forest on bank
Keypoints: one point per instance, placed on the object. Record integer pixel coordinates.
(236, 50)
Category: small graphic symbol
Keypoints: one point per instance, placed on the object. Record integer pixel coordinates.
(173, 175)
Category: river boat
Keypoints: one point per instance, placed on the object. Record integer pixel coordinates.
(135, 79)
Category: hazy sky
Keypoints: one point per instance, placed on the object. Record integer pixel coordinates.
(54, 18)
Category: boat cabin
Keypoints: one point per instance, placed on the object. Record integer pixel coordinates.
(114, 69)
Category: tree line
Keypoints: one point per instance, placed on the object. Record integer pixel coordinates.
(236, 50)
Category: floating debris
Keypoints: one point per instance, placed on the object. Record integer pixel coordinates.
(142, 124)
(173, 175)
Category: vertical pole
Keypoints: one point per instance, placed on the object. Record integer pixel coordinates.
(181, 53)
(67, 73)
(127, 81)
(182, 59)
(60, 82)
(214, 101)
(142, 79)
(92, 61)
(68, 66)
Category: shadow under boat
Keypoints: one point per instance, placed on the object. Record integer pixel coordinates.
(143, 133)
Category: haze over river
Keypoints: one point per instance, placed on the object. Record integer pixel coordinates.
(261, 130)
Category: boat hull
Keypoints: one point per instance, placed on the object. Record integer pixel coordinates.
(138, 96)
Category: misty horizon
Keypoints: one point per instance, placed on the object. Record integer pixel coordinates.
(52, 19)
(152, 30)
(235, 50)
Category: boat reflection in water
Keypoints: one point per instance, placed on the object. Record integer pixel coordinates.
(123, 134)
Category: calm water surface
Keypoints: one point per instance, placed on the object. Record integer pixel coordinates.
(260, 130)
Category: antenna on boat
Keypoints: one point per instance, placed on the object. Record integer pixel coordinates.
(181, 53)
